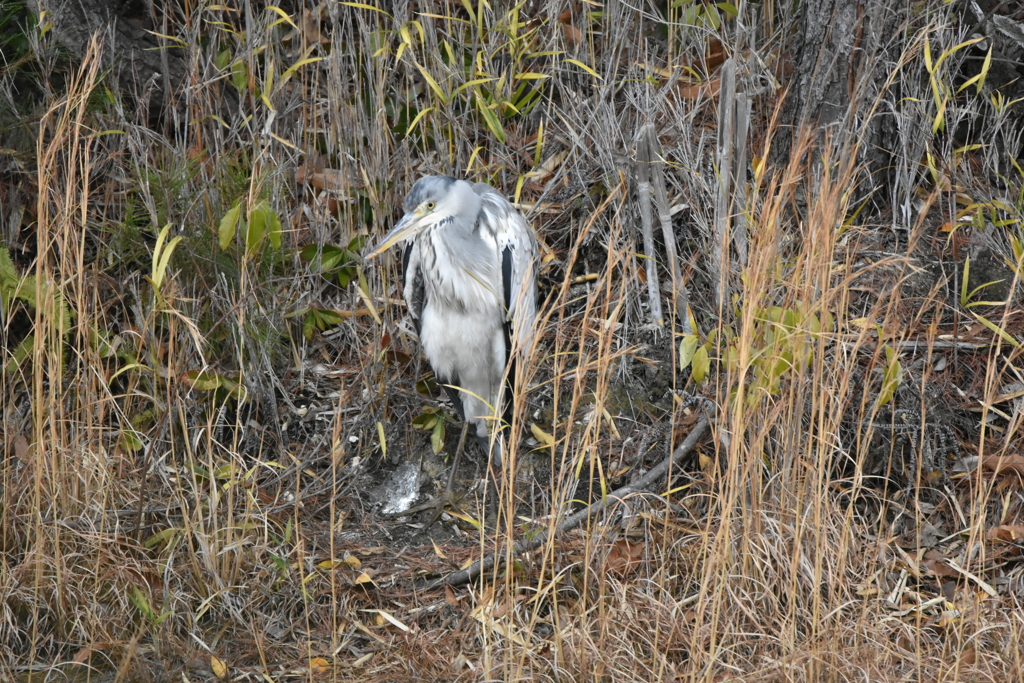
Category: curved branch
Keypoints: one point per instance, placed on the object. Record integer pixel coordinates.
(643, 485)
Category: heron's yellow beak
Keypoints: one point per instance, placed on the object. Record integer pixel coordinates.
(406, 228)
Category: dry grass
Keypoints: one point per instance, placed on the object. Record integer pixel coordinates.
(184, 474)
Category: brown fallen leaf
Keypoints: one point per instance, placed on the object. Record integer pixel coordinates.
(83, 655)
(573, 36)
(624, 556)
(934, 561)
(700, 90)
(311, 27)
(21, 448)
(313, 165)
(1004, 463)
(1010, 533)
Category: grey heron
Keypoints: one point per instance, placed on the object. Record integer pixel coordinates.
(470, 282)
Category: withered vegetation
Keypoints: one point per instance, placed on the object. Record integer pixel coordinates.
(209, 401)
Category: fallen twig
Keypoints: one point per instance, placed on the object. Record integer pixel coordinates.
(643, 485)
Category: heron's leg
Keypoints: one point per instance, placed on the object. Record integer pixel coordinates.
(447, 498)
(458, 456)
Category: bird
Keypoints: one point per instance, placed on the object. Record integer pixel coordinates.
(470, 263)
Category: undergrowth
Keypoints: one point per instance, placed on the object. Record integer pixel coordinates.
(203, 381)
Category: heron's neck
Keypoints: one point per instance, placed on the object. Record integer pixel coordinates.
(458, 265)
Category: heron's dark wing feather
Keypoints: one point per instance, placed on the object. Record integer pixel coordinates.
(453, 394)
(517, 247)
(507, 266)
(506, 276)
(412, 278)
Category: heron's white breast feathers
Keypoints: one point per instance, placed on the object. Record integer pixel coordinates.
(465, 275)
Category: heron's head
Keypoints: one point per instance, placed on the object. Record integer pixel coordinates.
(432, 200)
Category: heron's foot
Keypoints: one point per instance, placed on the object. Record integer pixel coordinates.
(447, 500)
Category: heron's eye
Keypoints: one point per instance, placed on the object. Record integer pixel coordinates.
(430, 206)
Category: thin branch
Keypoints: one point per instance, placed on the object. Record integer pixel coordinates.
(644, 485)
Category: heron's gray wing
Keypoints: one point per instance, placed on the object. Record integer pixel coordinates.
(517, 248)
(412, 277)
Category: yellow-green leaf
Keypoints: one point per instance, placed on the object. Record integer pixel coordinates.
(240, 76)
(259, 221)
(433, 84)
(296, 66)
(437, 437)
(412, 126)
(892, 377)
(998, 330)
(584, 67)
(359, 5)
(228, 226)
(542, 436)
(490, 119)
(687, 350)
(469, 84)
(701, 364)
(284, 16)
(162, 256)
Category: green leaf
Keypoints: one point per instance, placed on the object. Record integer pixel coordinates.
(162, 252)
(345, 276)
(228, 226)
(490, 119)
(687, 349)
(259, 225)
(223, 59)
(168, 534)
(383, 440)
(308, 253)
(131, 441)
(892, 378)
(240, 76)
(425, 421)
(275, 230)
(329, 317)
(141, 603)
(584, 67)
(331, 257)
(1003, 334)
(21, 352)
(701, 364)
(426, 386)
(204, 380)
(437, 437)
(9, 280)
